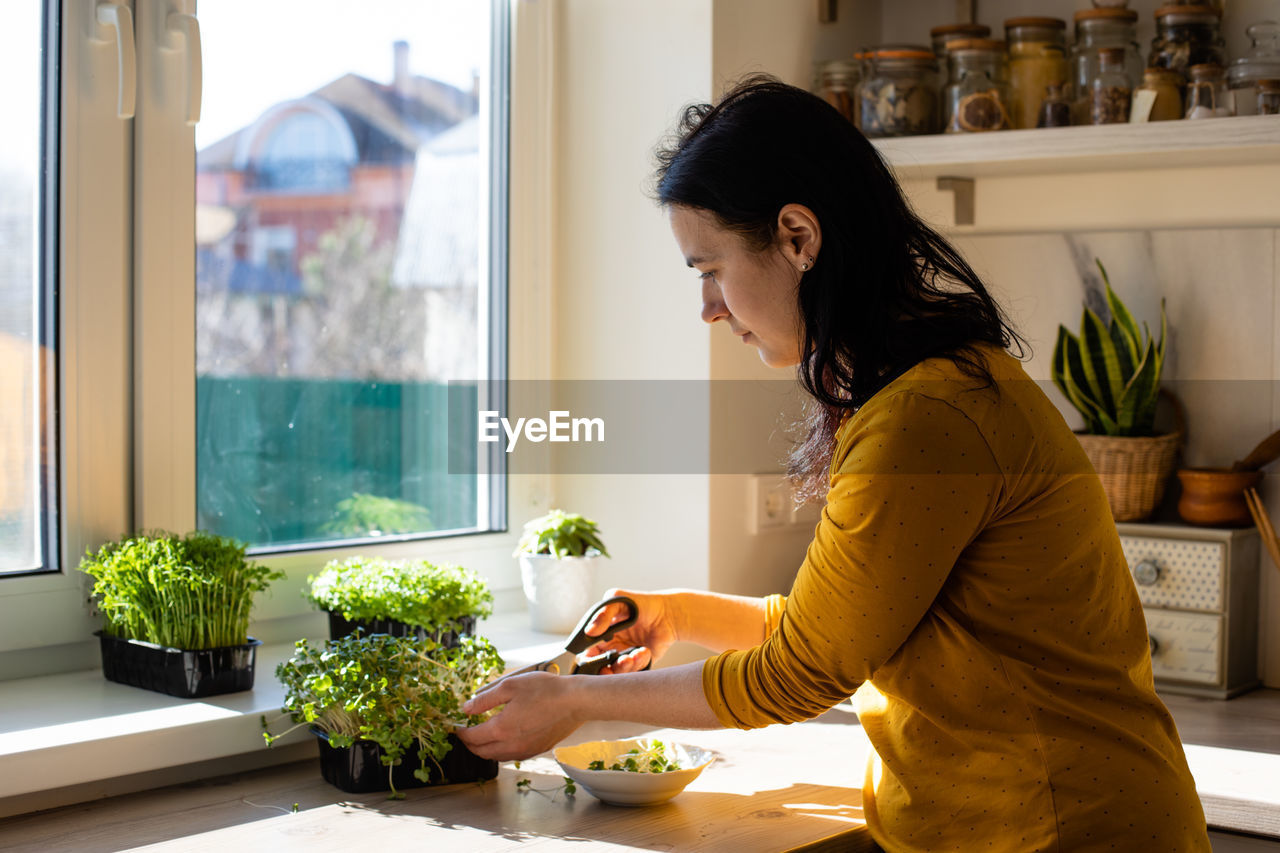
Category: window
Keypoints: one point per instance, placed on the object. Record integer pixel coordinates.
(263, 286)
(27, 343)
(342, 224)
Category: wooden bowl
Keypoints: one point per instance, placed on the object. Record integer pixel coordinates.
(1215, 496)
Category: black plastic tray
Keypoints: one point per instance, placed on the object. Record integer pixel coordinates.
(340, 627)
(179, 672)
(358, 769)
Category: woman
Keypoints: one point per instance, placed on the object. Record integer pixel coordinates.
(966, 580)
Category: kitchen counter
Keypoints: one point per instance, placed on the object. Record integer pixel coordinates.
(61, 736)
(1233, 748)
(781, 788)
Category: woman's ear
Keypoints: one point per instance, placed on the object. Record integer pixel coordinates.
(799, 236)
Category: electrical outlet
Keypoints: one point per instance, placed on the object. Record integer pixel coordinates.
(768, 503)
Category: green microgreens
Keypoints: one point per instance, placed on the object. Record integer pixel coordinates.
(398, 692)
(569, 787)
(651, 760)
(415, 592)
(188, 592)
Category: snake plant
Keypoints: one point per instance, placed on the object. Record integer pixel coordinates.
(1111, 372)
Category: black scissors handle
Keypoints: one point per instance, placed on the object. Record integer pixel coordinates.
(592, 666)
(581, 641)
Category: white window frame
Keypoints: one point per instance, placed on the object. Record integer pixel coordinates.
(127, 335)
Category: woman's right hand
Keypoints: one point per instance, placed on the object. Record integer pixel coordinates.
(653, 633)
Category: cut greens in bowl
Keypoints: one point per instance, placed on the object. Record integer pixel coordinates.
(633, 772)
(636, 760)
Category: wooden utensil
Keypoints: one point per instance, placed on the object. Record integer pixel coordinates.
(1267, 451)
(1263, 520)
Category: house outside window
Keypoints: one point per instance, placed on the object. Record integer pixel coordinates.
(338, 300)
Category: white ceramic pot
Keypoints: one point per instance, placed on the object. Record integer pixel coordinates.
(560, 590)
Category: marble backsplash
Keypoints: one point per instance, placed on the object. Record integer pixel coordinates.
(1219, 288)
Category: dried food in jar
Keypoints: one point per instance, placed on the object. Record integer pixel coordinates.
(838, 86)
(1055, 111)
(1159, 97)
(981, 111)
(1109, 92)
(894, 109)
(1187, 35)
(1096, 30)
(1110, 105)
(1207, 95)
(1037, 59)
(977, 92)
(899, 96)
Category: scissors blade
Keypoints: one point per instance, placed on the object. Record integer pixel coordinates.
(562, 664)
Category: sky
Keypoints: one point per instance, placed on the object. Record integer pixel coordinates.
(20, 96)
(260, 52)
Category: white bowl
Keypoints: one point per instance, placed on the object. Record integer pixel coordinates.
(625, 787)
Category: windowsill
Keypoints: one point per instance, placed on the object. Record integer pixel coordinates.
(76, 736)
(62, 736)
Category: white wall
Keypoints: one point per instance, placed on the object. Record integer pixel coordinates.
(749, 434)
(625, 305)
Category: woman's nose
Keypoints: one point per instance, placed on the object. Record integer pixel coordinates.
(713, 307)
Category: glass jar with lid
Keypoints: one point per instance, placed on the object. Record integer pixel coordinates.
(1109, 91)
(1037, 59)
(1261, 63)
(1054, 109)
(1159, 98)
(1096, 30)
(976, 98)
(947, 33)
(838, 85)
(1207, 92)
(898, 95)
(1187, 35)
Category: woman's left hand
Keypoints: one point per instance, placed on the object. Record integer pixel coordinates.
(540, 712)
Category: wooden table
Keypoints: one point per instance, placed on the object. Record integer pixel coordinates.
(781, 788)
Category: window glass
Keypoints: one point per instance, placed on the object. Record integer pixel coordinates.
(26, 507)
(342, 266)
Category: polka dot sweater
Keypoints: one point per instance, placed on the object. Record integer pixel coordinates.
(966, 582)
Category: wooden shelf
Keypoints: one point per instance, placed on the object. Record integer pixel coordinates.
(1237, 141)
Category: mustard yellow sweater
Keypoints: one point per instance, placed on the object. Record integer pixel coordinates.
(966, 582)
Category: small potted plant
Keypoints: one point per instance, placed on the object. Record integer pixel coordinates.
(176, 612)
(384, 709)
(400, 597)
(558, 554)
(1110, 373)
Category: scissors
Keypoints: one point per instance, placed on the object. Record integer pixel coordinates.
(567, 662)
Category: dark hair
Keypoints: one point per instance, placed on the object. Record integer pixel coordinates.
(887, 290)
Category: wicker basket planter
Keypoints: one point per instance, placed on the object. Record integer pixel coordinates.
(1133, 470)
